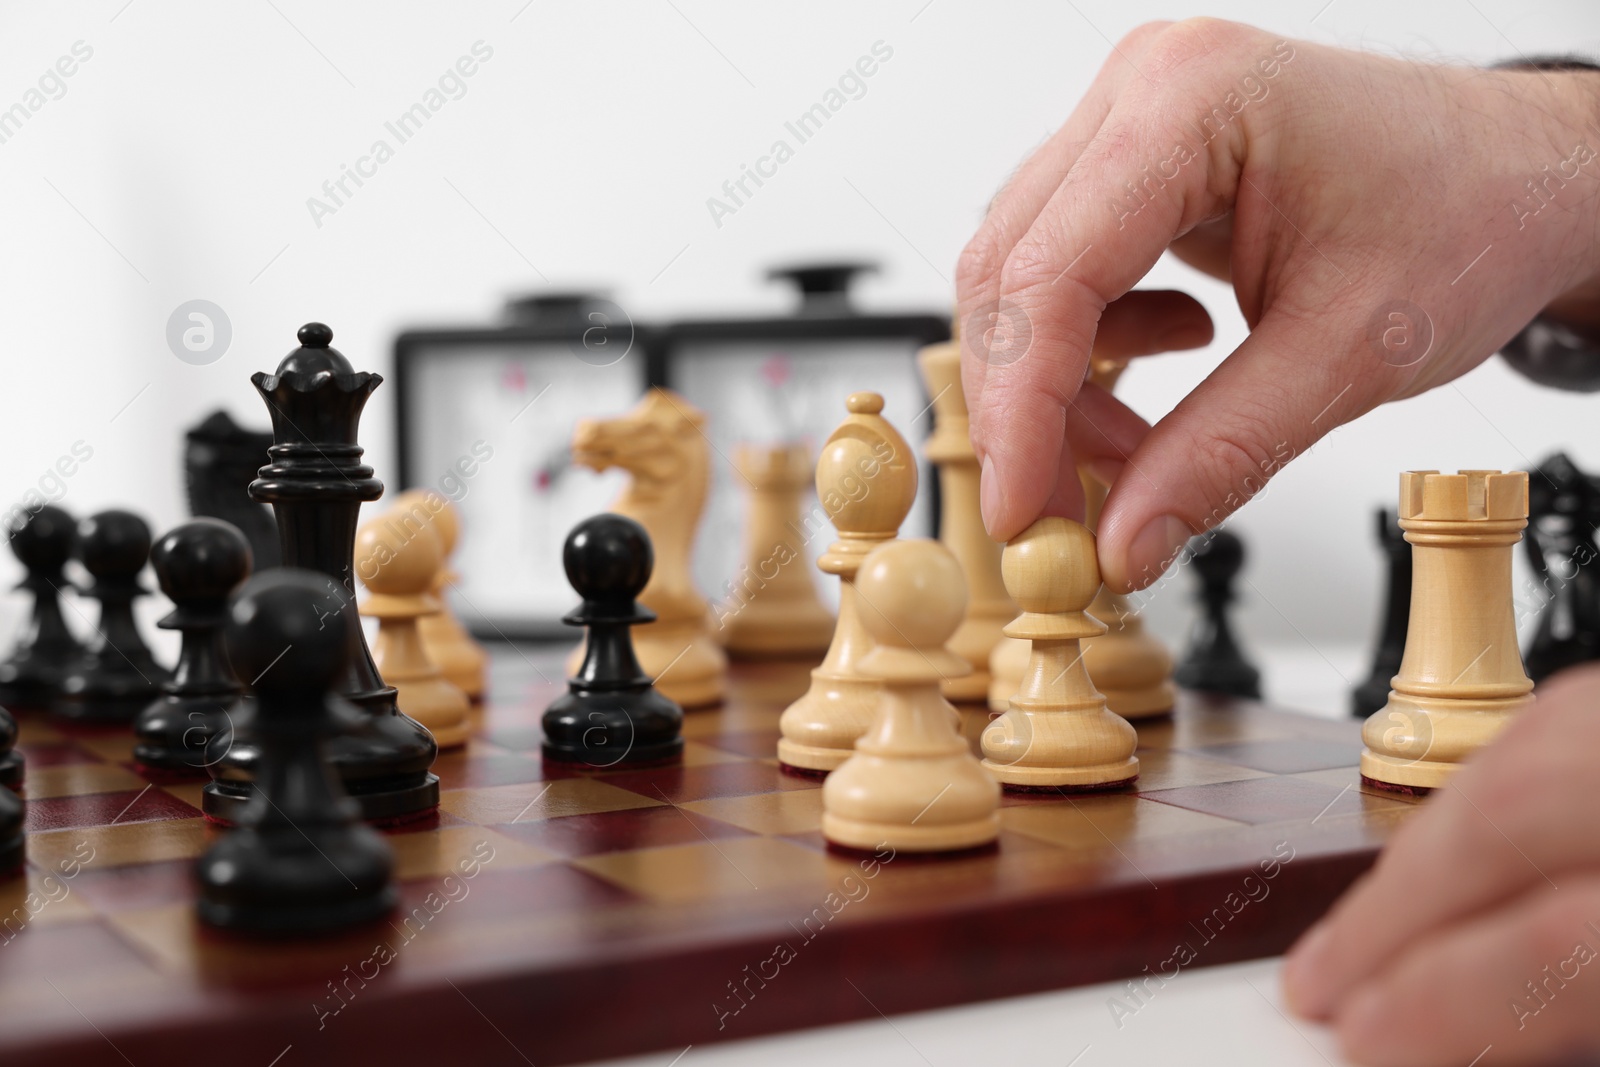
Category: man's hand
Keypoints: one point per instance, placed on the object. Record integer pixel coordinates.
(1386, 226)
(1480, 924)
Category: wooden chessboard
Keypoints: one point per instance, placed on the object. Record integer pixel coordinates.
(553, 916)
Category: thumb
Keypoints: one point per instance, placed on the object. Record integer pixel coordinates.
(1270, 400)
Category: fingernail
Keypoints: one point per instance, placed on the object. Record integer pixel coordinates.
(1301, 969)
(991, 501)
(1155, 546)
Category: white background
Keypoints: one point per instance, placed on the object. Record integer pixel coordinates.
(179, 161)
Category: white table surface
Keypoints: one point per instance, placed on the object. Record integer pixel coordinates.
(1224, 1016)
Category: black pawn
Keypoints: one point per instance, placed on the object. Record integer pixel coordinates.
(197, 564)
(117, 676)
(47, 650)
(1563, 509)
(11, 845)
(1214, 662)
(1373, 693)
(10, 758)
(610, 714)
(12, 848)
(298, 861)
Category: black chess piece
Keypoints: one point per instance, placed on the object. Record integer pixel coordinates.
(47, 650)
(12, 847)
(220, 459)
(117, 676)
(610, 714)
(10, 759)
(1373, 693)
(1563, 510)
(316, 483)
(1214, 662)
(298, 861)
(197, 565)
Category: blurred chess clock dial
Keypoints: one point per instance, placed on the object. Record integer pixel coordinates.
(485, 418)
(780, 380)
(486, 415)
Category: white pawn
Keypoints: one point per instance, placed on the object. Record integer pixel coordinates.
(912, 783)
(397, 561)
(459, 658)
(1058, 732)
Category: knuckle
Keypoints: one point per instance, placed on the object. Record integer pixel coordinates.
(1560, 920)
(1038, 262)
(980, 264)
(1194, 40)
(1233, 464)
(1029, 265)
(1136, 40)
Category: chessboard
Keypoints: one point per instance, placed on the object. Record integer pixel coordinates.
(552, 915)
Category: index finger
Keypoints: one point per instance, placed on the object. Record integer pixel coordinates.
(1139, 185)
(1015, 207)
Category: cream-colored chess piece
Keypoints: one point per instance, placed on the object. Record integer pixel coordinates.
(1129, 666)
(397, 563)
(1007, 663)
(912, 783)
(1461, 680)
(772, 608)
(661, 444)
(866, 483)
(461, 659)
(1058, 731)
(961, 524)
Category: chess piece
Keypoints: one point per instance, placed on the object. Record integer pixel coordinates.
(1007, 664)
(1461, 680)
(912, 783)
(46, 650)
(1130, 667)
(398, 561)
(1214, 662)
(1373, 693)
(866, 482)
(11, 762)
(298, 861)
(1563, 511)
(13, 847)
(220, 458)
(117, 676)
(460, 659)
(316, 482)
(961, 523)
(772, 608)
(1058, 733)
(661, 444)
(197, 566)
(610, 714)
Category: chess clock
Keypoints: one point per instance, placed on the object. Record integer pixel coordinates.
(783, 379)
(485, 415)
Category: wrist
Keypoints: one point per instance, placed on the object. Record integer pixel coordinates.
(1572, 244)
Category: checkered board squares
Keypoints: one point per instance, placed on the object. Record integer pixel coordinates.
(542, 891)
